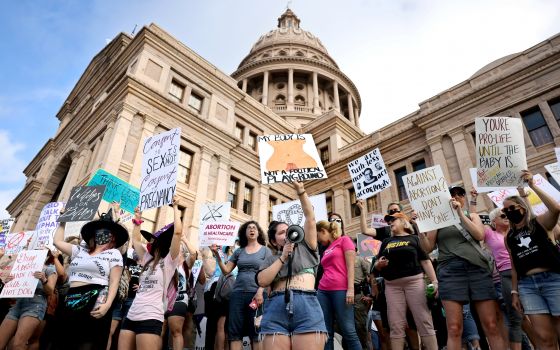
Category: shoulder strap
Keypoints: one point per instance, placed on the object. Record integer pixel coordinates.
(471, 240)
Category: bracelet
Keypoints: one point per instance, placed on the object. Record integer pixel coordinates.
(137, 222)
(513, 291)
(299, 194)
(282, 261)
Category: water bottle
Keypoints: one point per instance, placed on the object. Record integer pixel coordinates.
(101, 298)
(430, 291)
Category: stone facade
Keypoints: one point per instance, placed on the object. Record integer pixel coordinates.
(142, 85)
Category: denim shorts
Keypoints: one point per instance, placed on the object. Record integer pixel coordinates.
(28, 307)
(121, 309)
(540, 293)
(306, 316)
(461, 281)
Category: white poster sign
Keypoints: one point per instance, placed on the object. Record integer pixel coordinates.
(500, 152)
(24, 284)
(429, 197)
(214, 212)
(557, 151)
(16, 242)
(46, 226)
(369, 175)
(292, 214)
(5, 227)
(222, 233)
(481, 189)
(554, 171)
(73, 228)
(159, 169)
(498, 196)
(378, 221)
(285, 158)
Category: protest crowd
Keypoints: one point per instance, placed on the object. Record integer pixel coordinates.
(439, 277)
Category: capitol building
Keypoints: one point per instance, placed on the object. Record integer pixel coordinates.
(141, 85)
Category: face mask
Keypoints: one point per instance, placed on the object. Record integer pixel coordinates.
(149, 248)
(515, 216)
(102, 236)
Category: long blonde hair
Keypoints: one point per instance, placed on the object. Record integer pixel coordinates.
(331, 227)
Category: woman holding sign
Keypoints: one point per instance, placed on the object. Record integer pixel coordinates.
(464, 273)
(536, 263)
(292, 316)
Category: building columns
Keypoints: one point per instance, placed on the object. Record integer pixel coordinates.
(465, 163)
(112, 153)
(244, 85)
(336, 97)
(351, 109)
(148, 129)
(438, 157)
(265, 89)
(201, 192)
(316, 108)
(338, 201)
(290, 105)
(262, 215)
(222, 181)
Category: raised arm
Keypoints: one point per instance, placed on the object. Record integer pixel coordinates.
(473, 202)
(471, 223)
(548, 219)
(192, 252)
(310, 222)
(175, 248)
(226, 268)
(136, 240)
(58, 239)
(369, 231)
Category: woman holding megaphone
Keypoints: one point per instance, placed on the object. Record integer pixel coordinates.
(292, 316)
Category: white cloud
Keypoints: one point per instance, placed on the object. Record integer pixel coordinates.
(6, 197)
(12, 165)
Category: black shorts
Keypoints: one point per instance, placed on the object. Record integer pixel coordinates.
(179, 309)
(461, 281)
(142, 327)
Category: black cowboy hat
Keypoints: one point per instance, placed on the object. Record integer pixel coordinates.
(161, 240)
(105, 221)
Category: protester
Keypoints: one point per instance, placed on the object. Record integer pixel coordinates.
(401, 261)
(362, 297)
(248, 258)
(221, 342)
(464, 273)
(94, 274)
(336, 288)
(535, 263)
(26, 315)
(142, 327)
(292, 316)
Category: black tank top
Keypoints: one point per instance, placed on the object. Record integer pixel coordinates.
(531, 249)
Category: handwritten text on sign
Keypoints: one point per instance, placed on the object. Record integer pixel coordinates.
(285, 158)
(429, 197)
(82, 204)
(219, 232)
(159, 169)
(16, 242)
(117, 190)
(500, 152)
(5, 226)
(47, 225)
(369, 175)
(24, 284)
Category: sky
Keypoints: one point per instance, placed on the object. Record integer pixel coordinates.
(397, 52)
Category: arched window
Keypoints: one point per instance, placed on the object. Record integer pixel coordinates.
(299, 100)
(282, 53)
(280, 100)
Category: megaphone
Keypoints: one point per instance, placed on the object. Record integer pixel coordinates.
(295, 234)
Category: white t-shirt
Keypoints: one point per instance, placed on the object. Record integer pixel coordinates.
(148, 303)
(93, 269)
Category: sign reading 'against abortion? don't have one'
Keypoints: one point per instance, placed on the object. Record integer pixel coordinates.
(159, 169)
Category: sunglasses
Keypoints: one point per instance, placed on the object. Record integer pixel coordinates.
(457, 194)
(393, 211)
(503, 216)
(511, 208)
(335, 220)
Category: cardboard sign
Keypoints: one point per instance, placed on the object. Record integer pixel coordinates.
(481, 189)
(16, 242)
(46, 226)
(24, 284)
(430, 198)
(367, 246)
(5, 226)
(378, 221)
(554, 171)
(500, 152)
(285, 158)
(82, 204)
(369, 175)
(159, 169)
(214, 212)
(292, 214)
(222, 233)
(117, 190)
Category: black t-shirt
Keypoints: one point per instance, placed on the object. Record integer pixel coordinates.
(135, 270)
(404, 255)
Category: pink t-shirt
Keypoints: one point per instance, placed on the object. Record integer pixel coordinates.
(495, 241)
(148, 303)
(335, 275)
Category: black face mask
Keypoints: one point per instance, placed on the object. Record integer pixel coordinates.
(515, 216)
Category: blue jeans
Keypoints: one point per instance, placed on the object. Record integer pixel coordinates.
(470, 332)
(333, 303)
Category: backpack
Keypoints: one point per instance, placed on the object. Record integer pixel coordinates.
(224, 286)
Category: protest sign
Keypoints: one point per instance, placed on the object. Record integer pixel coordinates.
(498, 196)
(117, 190)
(214, 212)
(73, 228)
(367, 246)
(429, 197)
(378, 221)
(485, 219)
(24, 284)
(82, 204)
(500, 152)
(554, 171)
(46, 226)
(195, 270)
(159, 169)
(16, 242)
(481, 189)
(557, 151)
(222, 233)
(285, 158)
(292, 214)
(5, 226)
(369, 175)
